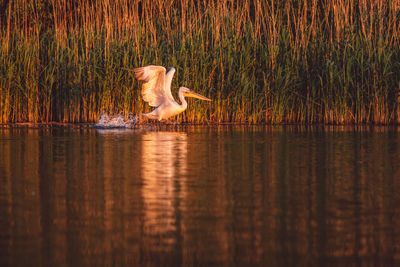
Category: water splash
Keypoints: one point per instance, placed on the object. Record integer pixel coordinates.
(132, 122)
(116, 121)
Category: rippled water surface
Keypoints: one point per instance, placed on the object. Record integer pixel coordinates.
(184, 196)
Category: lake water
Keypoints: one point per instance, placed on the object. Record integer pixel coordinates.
(200, 196)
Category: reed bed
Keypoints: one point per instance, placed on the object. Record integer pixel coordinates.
(299, 61)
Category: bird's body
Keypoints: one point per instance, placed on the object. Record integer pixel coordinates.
(156, 90)
(167, 109)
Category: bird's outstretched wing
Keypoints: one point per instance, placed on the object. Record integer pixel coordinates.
(154, 89)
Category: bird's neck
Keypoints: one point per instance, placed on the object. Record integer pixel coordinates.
(183, 100)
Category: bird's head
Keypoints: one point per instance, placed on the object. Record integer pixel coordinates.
(189, 93)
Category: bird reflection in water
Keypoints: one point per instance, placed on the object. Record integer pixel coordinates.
(164, 162)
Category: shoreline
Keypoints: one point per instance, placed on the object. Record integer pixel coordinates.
(85, 125)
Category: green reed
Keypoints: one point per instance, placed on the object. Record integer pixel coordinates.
(333, 62)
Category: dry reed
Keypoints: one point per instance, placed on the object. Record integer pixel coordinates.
(329, 61)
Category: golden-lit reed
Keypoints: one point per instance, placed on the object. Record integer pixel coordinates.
(330, 61)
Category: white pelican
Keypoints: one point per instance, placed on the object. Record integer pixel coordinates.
(156, 90)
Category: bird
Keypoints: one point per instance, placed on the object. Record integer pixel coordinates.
(156, 90)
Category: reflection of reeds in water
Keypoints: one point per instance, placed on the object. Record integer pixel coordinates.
(260, 61)
(302, 196)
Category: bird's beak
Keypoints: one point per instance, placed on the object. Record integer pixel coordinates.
(196, 95)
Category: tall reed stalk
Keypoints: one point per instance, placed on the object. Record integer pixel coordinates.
(329, 61)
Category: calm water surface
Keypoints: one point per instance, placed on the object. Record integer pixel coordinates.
(226, 196)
